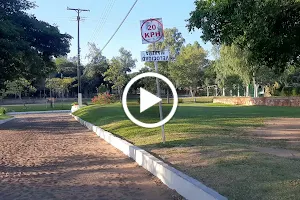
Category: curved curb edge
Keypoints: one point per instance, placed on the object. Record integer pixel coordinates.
(6, 120)
(185, 185)
(39, 112)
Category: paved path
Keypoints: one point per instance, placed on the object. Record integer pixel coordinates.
(51, 156)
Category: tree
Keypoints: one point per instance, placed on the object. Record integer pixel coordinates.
(119, 67)
(93, 73)
(17, 87)
(233, 61)
(59, 85)
(65, 67)
(27, 45)
(189, 65)
(98, 63)
(209, 76)
(173, 42)
(267, 29)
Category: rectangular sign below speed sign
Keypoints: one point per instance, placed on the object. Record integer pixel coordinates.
(151, 56)
(152, 30)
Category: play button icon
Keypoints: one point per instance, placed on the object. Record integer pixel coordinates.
(147, 100)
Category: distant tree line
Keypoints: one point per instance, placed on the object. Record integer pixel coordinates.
(256, 47)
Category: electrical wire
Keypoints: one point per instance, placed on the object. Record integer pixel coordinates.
(100, 21)
(119, 25)
(103, 20)
(100, 30)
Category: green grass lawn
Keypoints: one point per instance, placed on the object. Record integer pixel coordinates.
(2, 117)
(38, 107)
(210, 143)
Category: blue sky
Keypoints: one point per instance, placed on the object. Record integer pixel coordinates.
(106, 15)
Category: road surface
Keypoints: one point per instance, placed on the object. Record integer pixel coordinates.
(51, 156)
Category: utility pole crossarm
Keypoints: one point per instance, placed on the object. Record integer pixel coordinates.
(78, 9)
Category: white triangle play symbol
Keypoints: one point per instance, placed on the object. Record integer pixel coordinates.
(147, 100)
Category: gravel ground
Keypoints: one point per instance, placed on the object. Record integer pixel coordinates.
(51, 156)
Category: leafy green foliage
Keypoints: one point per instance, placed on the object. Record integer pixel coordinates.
(173, 42)
(2, 111)
(267, 29)
(189, 65)
(117, 72)
(27, 45)
(233, 61)
(59, 85)
(102, 88)
(93, 72)
(17, 87)
(66, 67)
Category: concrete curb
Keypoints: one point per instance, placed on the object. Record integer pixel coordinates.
(186, 186)
(39, 112)
(6, 120)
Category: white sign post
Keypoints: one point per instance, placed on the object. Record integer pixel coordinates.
(152, 56)
(152, 31)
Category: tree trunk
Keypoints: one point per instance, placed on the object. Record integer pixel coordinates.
(207, 91)
(230, 92)
(238, 91)
(192, 94)
(223, 92)
(247, 90)
(20, 96)
(168, 96)
(119, 93)
(254, 86)
(216, 91)
(44, 92)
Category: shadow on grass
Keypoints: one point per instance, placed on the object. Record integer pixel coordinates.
(232, 169)
(209, 142)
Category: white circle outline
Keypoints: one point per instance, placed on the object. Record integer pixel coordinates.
(142, 124)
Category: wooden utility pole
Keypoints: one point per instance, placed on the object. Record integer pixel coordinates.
(78, 11)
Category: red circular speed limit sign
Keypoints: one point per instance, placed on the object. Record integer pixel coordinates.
(152, 31)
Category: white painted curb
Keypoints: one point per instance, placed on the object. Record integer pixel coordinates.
(185, 185)
(6, 120)
(38, 112)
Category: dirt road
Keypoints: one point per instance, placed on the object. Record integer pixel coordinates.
(51, 156)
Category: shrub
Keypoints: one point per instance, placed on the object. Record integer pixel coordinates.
(180, 100)
(294, 91)
(74, 103)
(104, 98)
(85, 103)
(2, 111)
(286, 91)
(102, 88)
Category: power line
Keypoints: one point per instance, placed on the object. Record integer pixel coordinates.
(119, 25)
(100, 21)
(104, 17)
(100, 30)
